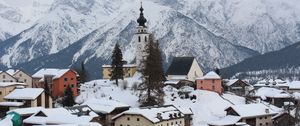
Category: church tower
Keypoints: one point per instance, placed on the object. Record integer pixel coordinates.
(142, 38)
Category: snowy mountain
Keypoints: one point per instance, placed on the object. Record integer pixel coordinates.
(219, 33)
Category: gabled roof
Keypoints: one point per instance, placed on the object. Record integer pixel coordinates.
(56, 73)
(180, 66)
(25, 94)
(252, 110)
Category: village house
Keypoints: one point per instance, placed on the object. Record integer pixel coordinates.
(252, 114)
(5, 77)
(129, 70)
(21, 76)
(273, 96)
(8, 87)
(106, 109)
(184, 68)
(236, 86)
(284, 119)
(26, 97)
(59, 116)
(26, 112)
(211, 82)
(57, 81)
(294, 86)
(272, 83)
(150, 116)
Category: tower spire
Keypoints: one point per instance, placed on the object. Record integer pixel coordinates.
(142, 20)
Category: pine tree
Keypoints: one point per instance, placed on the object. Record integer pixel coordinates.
(117, 64)
(68, 99)
(151, 92)
(82, 73)
(46, 86)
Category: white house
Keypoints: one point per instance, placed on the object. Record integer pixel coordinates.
(21, 76)
(184, 68)
(151, 116)
(27, 97)
(5, 77)
(252, 114)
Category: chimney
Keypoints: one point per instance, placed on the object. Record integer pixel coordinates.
(267, 111)
(159, 116)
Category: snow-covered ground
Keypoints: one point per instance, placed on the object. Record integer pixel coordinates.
(207, 107)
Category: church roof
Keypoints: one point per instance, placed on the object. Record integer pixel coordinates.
(180, 66)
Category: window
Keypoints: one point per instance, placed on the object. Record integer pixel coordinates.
(260, 124)
(72, 78)
(179, 122)
(138, 119)
(266, 117)
(128, 118)
(25, 80)
(267, 123)
(213, 87)
(171, 123)
(139, 38)
(72, 85)
(20, 75)
(3, 76)
(260, 117)
(0, 93)
(121, 125)
(65, 85)
(213, 81)
(145, 38)
(66, 79)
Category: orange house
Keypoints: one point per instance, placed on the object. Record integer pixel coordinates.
(57, 79)
(211, 82)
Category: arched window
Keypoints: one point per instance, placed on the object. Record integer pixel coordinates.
(145, 38)
(139, 38)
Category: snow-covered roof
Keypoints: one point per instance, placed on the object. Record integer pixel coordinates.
(27, 111)
(104, 106)
(186, 89)
(11, 104)
(172, 82)
(252, 110)
(265, 92)
(6, 84)
(7, 121)
(154, 114)
(11, 71)
(210, 75)
(185, 110)
(178, 77)
(84, 124)
(271, 83)
(231, 82)
(227, 120)
(25, 94)
(294, 85)
(125, 65)
(56, 116)
(56, 73)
